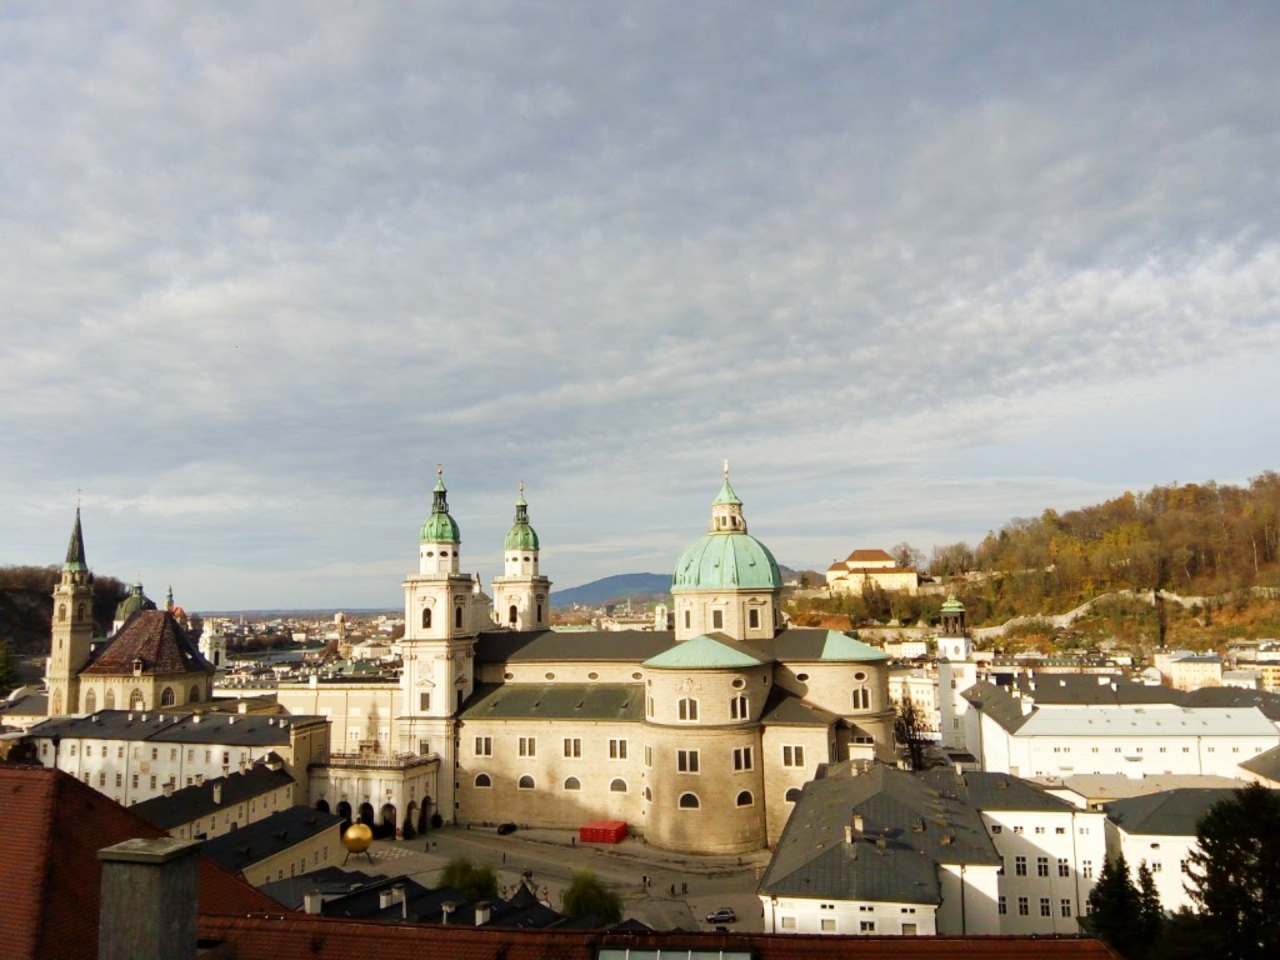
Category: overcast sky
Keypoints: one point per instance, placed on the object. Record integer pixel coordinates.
(914, 269)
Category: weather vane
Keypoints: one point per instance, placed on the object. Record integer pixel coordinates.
(439, 469)
(726, 468)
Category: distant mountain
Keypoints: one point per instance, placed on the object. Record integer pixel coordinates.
(636, 586)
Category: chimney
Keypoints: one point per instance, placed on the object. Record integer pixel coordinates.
(858, 822)
(1027, 707)
(390, 896)
(199, 779)
(217, 793)
(313, 902)
(445, 910)
(404, 901)
(848, 834)
(483, 913)
(168, 788)
(149, 899)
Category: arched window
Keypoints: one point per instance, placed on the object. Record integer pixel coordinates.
(322, 805)
(793, 795)
(57, 703)
(689, 801)
(745, 799)
(90, 701)
(861, 699)
(426, 618)
(482, 780)
(194, 695)
(512, 613)
(135, 699)
(526, 783)
(80, 612)
(572, 784)
(167, 698)
(109, 701)
(688, 709)
(457, 618)
(539, 613)
(62, 612)
(618, 786)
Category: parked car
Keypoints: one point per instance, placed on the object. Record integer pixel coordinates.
(505, 828)
(723, 915)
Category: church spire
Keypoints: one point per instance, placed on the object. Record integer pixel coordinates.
(726, 509)
(440, 527)
(75, 562)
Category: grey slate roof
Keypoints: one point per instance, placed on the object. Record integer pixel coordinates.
(191, 803)
(556, 701)
(995, 791)
(997, 703)
(1265, 764)
(1058, 689)
(1264, 700)
(232, 729)
(258, 841)
(798, 645)
(27, 705)
(1173, 813)
(787, 709)
(292, 891)
(909, 827)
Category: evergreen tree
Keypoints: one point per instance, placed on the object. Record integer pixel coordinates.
(1150, 913)
(588, 897)
(8, 675)
(1114, 908)
(1234, 873)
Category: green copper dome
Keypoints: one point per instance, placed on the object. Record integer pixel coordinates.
(440, 527)
(521, 536)
(727, 558)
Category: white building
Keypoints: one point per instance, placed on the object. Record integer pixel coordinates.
(889, 852)
(1010, 732)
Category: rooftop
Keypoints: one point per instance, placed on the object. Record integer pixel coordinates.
(255, 842)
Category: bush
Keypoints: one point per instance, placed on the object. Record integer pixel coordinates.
(588, 897)
(472, 880)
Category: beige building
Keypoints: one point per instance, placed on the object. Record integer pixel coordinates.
(210, 808)
(286, 844)
(864, 568)
(1196, 671)
(700, 736)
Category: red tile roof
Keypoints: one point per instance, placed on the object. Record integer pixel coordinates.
(157, 639)
(54, 827)
(864, 556)
(328, 938)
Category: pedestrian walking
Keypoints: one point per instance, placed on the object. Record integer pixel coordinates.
(673, 889)
(684, 888)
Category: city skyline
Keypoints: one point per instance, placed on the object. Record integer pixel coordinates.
(915, 270)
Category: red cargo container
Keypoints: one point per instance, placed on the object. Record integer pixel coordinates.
(603, 831)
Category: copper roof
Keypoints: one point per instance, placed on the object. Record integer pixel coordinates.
(867, 555)
(157, 639)
(54, 826)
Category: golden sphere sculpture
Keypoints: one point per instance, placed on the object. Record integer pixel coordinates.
(357, 838)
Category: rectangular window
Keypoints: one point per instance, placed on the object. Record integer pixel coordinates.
(528, 746)
(1020, 866)
(1064, 868)
(1059, 829)
(1042, 866)
(753, 618)
(1039, 829)
(742, 758)
(1086, 869)
(617, 749)
(738, 708)
(1024, 907)
(1004, 905)
(424, 701)
(1017, 830)
(787, 923)
(135, 781)
(648, 755)
(120, 780)
(865, 926)
(173, 755)
(996, 828)
(1155, 866)
(717, 619)
(102, 779)
(909, 929)
(793, 756)
(191, 756)
(153, 782)
(828, 925)
(687, 761)
(1046, 908)
(573, 747)
(1065, 904)
(155, 753)
(484, 746)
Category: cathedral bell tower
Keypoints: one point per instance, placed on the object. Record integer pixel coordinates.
(956, 674)
(521, 596)
(443, 610)
(72, 628)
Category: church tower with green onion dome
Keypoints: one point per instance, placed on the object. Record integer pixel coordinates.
(444, 611)
(521, 596)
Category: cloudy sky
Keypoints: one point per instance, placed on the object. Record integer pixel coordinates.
(915, 269)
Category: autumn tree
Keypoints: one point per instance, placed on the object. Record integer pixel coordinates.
(910, 731)
(588, 897)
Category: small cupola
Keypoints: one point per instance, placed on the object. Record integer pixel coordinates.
(726, 509)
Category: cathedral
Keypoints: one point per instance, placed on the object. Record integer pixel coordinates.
(699, 737)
